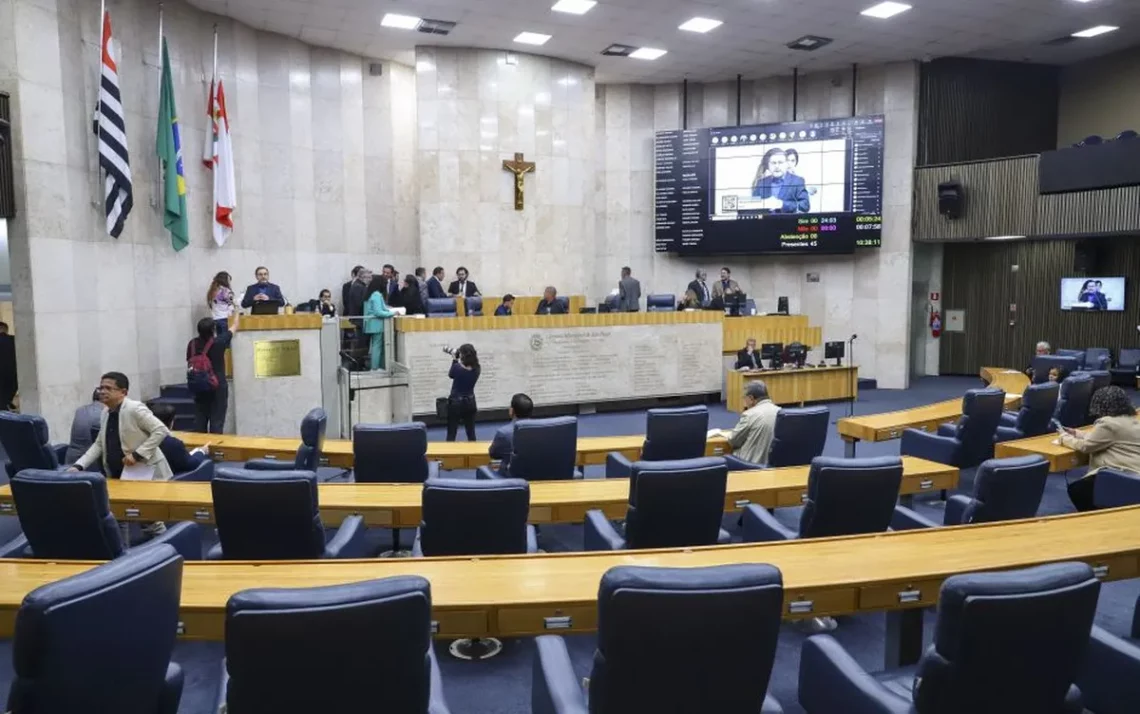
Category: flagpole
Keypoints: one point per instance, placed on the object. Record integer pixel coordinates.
(98, 97)
(215, 74)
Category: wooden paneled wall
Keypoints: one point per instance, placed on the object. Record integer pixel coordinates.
(978, 278)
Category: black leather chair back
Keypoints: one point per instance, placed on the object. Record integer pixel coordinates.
(981, 415)
(1007, 489)
(473, 306)
(850, 496)
(675, 503)
(100, 641)
(312, 440)
(65, 515)
(390, 453)
(726, 620)
(343, 648)
(675, 433)
(545, 449)
(661, 302)
(1038, 402)
(441, 307)
(267, 515)
(1128, 358)
(564, 301)
(1043, 363)
(470, 517)
(800, 436)
(1100, 378)
(1097, 358)
(25, 440)
(1008, 642)
(1073, 401)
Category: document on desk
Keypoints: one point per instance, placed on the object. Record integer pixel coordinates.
(138, 472)
(718, 434)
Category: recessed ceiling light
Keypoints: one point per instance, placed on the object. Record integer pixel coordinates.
(646, 53)
(402, 22)
(885, 9)
(532, 38)
(574, 7)
(1094, 31)
(700, 24)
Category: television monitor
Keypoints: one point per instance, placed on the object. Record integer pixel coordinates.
(782, 305)
(797, 187)
(795, 353)
(835, 351)
(1092, 294)
(770, 350)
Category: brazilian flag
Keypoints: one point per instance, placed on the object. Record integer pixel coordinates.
(168, 146)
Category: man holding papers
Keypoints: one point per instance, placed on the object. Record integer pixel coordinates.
(129, 435)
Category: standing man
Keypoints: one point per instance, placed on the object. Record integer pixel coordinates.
(461, 286)
(629, 292)
(262, 290)
(751, 439)
(503, 444)
(83, 425)
(391, 284)
(129, 433)
(8, 383)
(346, 289)
(421, 281)
(435, 283)
(726, 286)
(700, 288)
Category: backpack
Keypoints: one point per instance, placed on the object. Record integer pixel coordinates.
(200, 376)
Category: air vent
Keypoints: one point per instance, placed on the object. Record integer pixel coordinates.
(1058, 41)
(619, 50)
(809, 43)
(436, 27)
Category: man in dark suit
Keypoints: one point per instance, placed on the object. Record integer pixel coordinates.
(435, 284)
(461, 286)
(506, 307)
(748, 358)
(347, 288)
(180, 460)
(8, 386)
(391, 279)
(262, 290)
(550, 304)
(629, 292)
(503, 443)
(782, 192)
(700, 288)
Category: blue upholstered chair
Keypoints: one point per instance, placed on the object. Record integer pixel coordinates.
(1078, 355)
(726, 619)
(799, 437)
(1043, 363)
(1127, 135)
(1038, 402)
(661, 302)
(308, 456)
(67, 516)
(1110, 679)
(204, 471)
(441, 307)
(25, 441)
(611, 303)
(1114, 488)
(967, 443)
(844, 497)
(467, 517)
(671, 504)
(392, 453)
(670, 434)
(473, 306)
(1073, 400)
(565, 302)
(332, 649)
(1004, 490)
(1096, 359)
(101, 641)
(1127, 367)
(276, 516)
(1004, 642)
(542, 450)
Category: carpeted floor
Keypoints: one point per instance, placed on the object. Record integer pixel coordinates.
(502, 685)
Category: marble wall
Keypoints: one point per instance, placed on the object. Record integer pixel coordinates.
(325, 159)
(476, 108)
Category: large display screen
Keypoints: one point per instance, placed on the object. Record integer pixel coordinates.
(1092, 294)
(800, 187)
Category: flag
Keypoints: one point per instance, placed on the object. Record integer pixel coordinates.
(168, 146)
(219, 156)
(118, 196)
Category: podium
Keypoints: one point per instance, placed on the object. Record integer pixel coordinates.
(283, 366)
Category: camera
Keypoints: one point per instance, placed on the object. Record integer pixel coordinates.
(449, 350)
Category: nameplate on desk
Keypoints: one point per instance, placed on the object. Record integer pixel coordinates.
(276, 358)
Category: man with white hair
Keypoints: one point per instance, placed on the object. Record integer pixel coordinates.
(751, 439)
(1041, 350)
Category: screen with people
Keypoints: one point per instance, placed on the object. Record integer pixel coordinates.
(1092, 294)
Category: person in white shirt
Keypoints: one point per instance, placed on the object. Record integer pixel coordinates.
(751, 438)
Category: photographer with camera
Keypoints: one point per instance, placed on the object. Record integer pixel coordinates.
(461, 402)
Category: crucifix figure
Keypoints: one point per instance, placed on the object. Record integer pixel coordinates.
(519, 168)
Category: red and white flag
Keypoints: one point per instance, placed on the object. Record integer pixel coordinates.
(219, 156)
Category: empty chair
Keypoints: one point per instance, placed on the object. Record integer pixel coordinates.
(542, 450)
(67, 516)
(670, 434)
(467, 517)
(441, 307)
(725, 619)
(1004, 642)
(1091, 140)
(1043, 363)
(1038, 402)
(799, 437)
(1127, 135)
(661, 302)
(276, 516)
(844, 497)
(967, 443)
(1096, 358)
(101, 641)
(1127, 367)
(391, 453)
(332, 649)
(1110, 679)
(25, 441)
(308, 456)
(1113, 488)
(1004, 490)
(1073, 400)
(473, 306)
(671, 504)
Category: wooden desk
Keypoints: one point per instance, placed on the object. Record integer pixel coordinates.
(784, 329)
(1060, 458)
(796, 386)
(592, 450)
(398, 505)
(890, 425)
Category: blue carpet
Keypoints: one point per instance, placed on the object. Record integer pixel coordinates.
(502, 685)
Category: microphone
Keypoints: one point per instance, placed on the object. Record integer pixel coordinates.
(854, 337)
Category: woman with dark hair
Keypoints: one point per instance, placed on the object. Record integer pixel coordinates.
(375, 313)
(1113, 442)
(461, 405)
(211, 396)
(220, 299)
(410, 298)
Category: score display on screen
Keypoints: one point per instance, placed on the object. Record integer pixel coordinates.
(1092, 294)
(799, 187)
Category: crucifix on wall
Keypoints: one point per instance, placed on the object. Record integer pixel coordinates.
(519, 168)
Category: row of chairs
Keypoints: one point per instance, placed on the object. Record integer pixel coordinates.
(472, 306)
(1094, 359)
(669, 640)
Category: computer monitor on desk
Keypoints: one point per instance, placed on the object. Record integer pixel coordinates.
(734, 304)
(835, 351)
(795, 354)
(782, 305)
(772, 351)
(266, 307)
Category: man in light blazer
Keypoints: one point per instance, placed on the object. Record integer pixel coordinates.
(629, 292)
(128, 433)
(726, 286)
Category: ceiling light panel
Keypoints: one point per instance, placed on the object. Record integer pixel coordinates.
(574, 7)
(885, 10)
(700, 24)
(532, 38)
(1095, 31)
(400, 22)
(646, 53)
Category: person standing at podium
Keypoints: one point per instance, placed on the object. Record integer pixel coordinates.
(220, 299)
(262, 290)
(210, 405)
(375, 313)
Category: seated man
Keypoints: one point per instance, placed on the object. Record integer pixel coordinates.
(502, 445)
(173, 449)
(751, 439)
(83, 426)
(549, 305)
(1042, 350)
(506, 308)
(748, 358)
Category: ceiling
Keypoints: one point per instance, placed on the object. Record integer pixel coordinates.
(750, 42)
